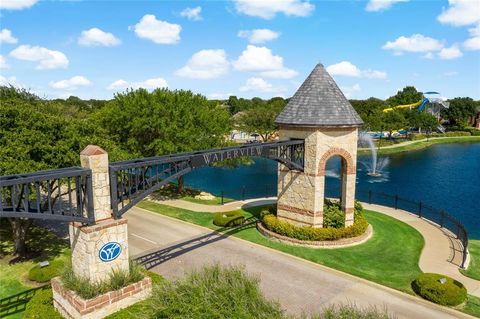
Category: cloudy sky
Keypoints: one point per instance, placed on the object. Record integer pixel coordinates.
(247, 48)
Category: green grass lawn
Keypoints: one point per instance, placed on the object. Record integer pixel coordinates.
(14, 275)
(473, 270)
(472, 306)
(389, 258)
(216, 201)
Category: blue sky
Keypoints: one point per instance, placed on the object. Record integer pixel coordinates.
(247, 48)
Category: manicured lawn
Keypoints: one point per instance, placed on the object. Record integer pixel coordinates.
(390, 257)
(14, 275)
(424, 143)
(472, 307)
(473, 270)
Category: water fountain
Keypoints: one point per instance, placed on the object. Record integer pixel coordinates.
(364, 137)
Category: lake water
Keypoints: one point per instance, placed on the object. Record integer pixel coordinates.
(445, 176)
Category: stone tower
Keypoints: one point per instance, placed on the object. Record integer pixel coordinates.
(320, 114)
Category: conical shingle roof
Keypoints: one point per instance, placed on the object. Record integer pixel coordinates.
(319, 102)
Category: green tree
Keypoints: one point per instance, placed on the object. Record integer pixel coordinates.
(370, 111)
(164, 122)
(260, 120)
(460, 111)
(39, 135)
(407, 95)
(393, 121)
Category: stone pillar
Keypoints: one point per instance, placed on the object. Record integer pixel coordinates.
(103, 247)
(301, 194)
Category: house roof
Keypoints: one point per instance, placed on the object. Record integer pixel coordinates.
(319, 102)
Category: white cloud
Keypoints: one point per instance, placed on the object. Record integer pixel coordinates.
(3, 63)
(11, 80)
(219, 96)
(259, 85)
(6, 37)
(450, 73)
(349, 91)
(205, 64)
(255, 58)
(257, 36)
(461, 13)
(346, 68)
(381, 5)
(268, 9)
(473, 43)
(16, 4)
(70, 84)
(192, 13)
(160, 32)
(97, 37)
(450, 53)
(149, 84)
(48, 59)
(261, 59)
(414, 43)
(428, 55)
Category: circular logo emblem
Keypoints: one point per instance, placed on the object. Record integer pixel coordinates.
(110, 251)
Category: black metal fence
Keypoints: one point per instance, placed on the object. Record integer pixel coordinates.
(437, 216)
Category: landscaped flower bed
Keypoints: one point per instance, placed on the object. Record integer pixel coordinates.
(333, 225)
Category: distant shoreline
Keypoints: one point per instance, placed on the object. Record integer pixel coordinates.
(420, 144)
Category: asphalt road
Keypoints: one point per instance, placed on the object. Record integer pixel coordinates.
(171, 247)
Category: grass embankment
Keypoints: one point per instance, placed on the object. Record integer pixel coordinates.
(473, 270)
(390, 257)
(420, 144)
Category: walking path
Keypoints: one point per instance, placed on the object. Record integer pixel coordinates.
(171, 247)
(441, 254)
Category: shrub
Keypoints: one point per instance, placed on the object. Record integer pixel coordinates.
(457, 133)
(229, 219)
(44, 274)
(417, 137)
(118, 279)
(212, 292)
(343, 311)
(41, 306)
(333, 216)
(428, 286)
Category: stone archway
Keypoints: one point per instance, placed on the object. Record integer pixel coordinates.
(347, 179)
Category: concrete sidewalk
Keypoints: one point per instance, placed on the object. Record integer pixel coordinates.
(441, 253)
(171, 247)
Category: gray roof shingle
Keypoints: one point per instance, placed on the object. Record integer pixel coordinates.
(319, 102)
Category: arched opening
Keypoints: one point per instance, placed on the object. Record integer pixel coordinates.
(337, 168)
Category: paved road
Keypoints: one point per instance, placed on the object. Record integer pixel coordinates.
(172, 247)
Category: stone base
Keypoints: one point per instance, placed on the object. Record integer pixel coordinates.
(72, 306)
(340, 243)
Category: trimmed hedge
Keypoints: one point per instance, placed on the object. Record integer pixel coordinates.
(428, 286)
(41, 306)
(228, 219)
(44, 274)
(457, 133)
(272, 223)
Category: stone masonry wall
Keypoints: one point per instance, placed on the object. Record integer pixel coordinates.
(301, 194)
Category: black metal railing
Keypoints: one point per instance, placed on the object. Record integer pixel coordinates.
(437, 216)
(62, 194)
(133, 180)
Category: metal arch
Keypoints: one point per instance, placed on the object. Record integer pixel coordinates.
(62, 194)
(133, 180)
